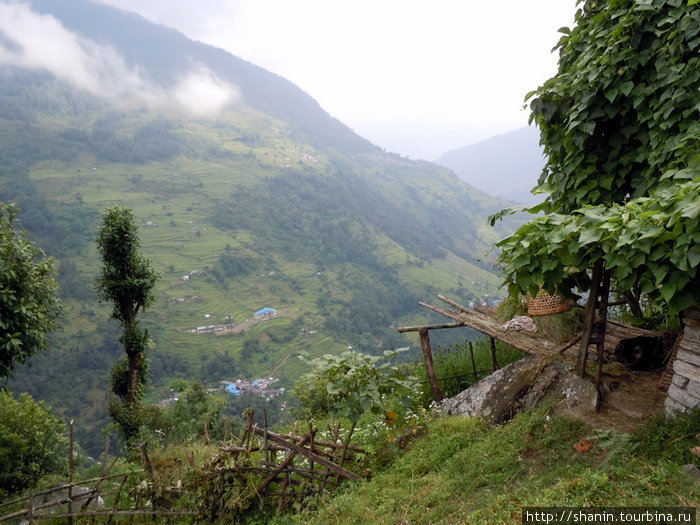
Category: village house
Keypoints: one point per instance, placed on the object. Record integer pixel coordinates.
(265, 313)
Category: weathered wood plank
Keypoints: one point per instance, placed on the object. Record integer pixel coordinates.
(348, 474)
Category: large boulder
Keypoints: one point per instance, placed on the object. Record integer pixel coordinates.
(523, 384)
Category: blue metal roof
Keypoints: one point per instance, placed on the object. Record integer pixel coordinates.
(233, 390)
(266, 310)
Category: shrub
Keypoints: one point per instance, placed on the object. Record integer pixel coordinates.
(32, 443)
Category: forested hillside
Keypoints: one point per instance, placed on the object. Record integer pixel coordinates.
(265, 202)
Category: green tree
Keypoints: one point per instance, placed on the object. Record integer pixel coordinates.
(620, 127)
(196, 414)
(28, 304)
(32, 443)
(127, 280)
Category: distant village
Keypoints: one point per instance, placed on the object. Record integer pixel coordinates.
(260, 387)
(260, 315)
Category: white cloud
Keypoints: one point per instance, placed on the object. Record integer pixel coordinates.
(41, 43)
(439, 64)
(205, 94)
(33, 41)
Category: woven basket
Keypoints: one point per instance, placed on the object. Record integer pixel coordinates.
(547, 304)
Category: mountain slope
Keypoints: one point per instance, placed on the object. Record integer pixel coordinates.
(264, 202)
(505, 166)
(166, 56)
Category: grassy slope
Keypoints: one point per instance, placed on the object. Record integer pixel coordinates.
(461, 472)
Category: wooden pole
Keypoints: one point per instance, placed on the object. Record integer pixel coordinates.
(429, 368)
(471, 353)
(600, 343)
(404, 329)
(275, 438)
(590, 317)
(494, 363)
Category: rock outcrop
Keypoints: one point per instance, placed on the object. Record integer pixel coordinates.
(523, 385)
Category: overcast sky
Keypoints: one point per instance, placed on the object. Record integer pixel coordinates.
(417, 77)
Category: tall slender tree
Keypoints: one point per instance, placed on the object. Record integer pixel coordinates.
(127, 280)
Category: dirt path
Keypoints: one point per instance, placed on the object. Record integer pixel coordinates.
(632, 398)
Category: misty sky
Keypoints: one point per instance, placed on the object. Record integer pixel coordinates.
(417, 77)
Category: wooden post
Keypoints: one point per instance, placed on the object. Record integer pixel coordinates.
(603, 307)
(429, 368)
(590, 317)
(494, 363)
(471, 353)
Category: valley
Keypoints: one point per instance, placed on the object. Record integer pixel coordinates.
(236, 213)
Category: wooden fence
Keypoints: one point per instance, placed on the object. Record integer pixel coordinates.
(274, 468)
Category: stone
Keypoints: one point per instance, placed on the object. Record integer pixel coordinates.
(579, 395)
(521, 385)
(680, 381)
(693, 313)
(494, 397)
(688, 357)
(692, 471)
(672, 406)
(693, 388)
(686, 369)
(691, 335)
(683, 397)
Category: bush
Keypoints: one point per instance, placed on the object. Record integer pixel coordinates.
(350, 384)
(32, 443)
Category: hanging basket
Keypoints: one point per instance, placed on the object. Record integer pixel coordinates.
(547, 304)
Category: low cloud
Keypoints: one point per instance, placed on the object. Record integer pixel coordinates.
(204, 94)
(38, 42)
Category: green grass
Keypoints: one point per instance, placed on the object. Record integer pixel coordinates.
(462, 472)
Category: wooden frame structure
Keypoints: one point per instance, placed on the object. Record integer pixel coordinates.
(597, 330)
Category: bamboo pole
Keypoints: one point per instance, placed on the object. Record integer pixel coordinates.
(456, 305)
(404, 329)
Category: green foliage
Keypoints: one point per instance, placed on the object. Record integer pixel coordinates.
(652, 242)
(32, 443)
(350, 384)
(195, 411)
(620, 127)
(622, 109)
(28, 304)
(669, 438)
(127, 280)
